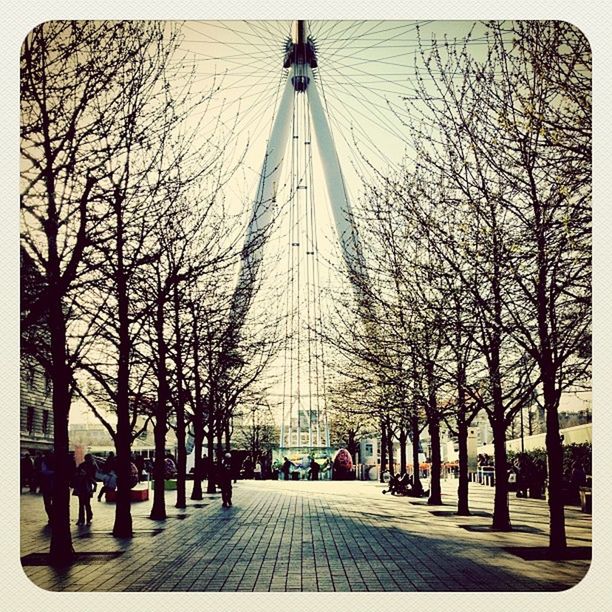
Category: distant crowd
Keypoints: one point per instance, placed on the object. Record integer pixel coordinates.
(38, 475)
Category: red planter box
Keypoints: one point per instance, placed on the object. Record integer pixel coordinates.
(136, 494)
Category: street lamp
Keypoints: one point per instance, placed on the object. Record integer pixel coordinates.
(522, 433)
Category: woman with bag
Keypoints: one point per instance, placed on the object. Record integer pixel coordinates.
(84, 485)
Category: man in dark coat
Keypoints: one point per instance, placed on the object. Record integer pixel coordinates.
(47, 482)
(224, 479)
(27, 471)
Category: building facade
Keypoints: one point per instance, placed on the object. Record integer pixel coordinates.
(36, 422)
(36, 405)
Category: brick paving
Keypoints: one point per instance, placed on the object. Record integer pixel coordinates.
(311, 536)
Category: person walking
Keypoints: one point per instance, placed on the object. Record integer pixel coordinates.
(286, 468)
(27, 471)
(84, 485)
(257, 471)
(35, 482)
(224, 479)
(314, 469)
(47, 482)
(577, 480)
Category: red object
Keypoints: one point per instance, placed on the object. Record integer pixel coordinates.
(343, 462)
(135, 495)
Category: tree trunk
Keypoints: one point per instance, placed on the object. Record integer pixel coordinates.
(158, 511)
(210, 436)
(414, 422)
(352, 445)
(463, 508)
(122, 527)
(383, 450)
(390, 451)
(403, 437)
(435, 491)
(61, 551)
(501, 511)
(227, 437)
(554, 448)
(198, 420)
(546, 323)
(198, 447)
(181, 463)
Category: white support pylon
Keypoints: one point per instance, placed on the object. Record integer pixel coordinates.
(336, 191)
(263, 207)
(300, 59)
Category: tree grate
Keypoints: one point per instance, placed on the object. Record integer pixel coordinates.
(454, 513)
(489, 528)
(135, 532)
(88, 558)
(543, 553)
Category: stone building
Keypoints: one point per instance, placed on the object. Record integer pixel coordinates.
(36, 422)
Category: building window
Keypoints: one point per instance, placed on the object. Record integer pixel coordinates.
(29, 375)
(45, 422)
(368, 450)
(47, 384)
(30, 420)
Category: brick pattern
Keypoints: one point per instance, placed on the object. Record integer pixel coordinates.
(306, 536)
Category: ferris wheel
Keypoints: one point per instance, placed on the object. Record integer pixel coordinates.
(333, 93)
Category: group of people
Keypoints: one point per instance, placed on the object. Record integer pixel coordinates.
(30, 473)
(403, 485)
(84, 483)
(38, 474)
(526, 476)
(309, 466)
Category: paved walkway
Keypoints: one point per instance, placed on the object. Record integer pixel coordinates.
(312, 536)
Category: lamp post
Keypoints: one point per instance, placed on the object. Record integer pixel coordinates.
(522, 433)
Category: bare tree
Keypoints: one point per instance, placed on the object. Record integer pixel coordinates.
(509, 144)
(70, 95)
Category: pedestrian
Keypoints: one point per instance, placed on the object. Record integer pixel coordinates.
(47, 482)
(148, 466)
(139, 463)
(169, 467)
(84, 485)
(247, 469)
(520, 463)
(205, 467)
(35, 483)
(224, 479)
(577, 480)
(314, 469)
(109, 463)
(109, 483)
(286, 467)
(27, 471)
(257, 471)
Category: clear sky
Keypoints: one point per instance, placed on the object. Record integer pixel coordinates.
(364, 70)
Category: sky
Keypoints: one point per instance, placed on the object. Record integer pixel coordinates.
(365, 68)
